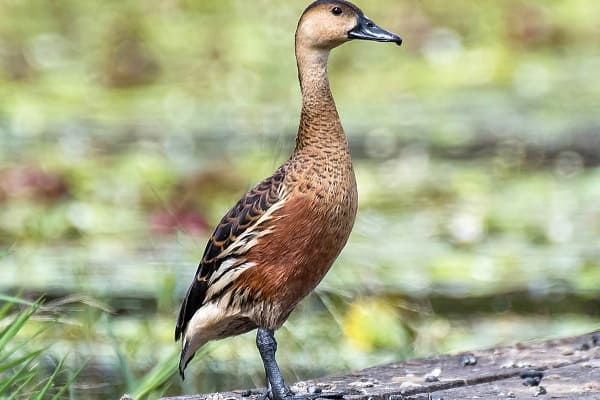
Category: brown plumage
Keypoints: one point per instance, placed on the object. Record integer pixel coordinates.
(277, 243)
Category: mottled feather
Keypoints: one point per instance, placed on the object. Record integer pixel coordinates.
(226, 247)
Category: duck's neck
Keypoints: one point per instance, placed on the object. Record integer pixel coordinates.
(320, 125)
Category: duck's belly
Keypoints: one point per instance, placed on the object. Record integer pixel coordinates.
(306, 238)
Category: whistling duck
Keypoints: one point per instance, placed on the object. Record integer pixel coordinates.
(277, 243)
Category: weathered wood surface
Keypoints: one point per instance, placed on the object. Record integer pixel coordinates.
(570, 367)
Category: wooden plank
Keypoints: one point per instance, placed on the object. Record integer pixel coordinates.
(570, 367)
(579, 381)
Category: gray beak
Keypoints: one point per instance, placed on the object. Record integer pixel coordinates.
(368, 30)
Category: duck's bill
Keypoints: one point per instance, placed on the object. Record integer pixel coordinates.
(368, 30)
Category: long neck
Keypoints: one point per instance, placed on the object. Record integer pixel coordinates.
(320, 124)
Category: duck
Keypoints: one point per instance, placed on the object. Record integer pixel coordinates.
(275, 245)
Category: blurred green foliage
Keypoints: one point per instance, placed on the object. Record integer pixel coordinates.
(27, 370)
(128, 128)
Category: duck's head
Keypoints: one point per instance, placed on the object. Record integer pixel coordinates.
(326, 24)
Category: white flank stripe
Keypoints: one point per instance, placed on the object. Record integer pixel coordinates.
(252, 232)
(225, 278)
(227, 272)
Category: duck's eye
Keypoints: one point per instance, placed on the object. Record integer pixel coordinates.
(336, 11)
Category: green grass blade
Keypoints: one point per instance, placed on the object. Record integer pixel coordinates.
(5, 355)
(20, 374)
(20, 360)
(6, 309)
(69, 383)
(20, 388)
(15, 326)
(17, 300)
(16, 363)
(156, 377)
(48, 385)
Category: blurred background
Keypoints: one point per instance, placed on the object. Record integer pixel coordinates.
(128, 128)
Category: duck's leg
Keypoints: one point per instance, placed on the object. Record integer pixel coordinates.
(276, 388)
(267, 346)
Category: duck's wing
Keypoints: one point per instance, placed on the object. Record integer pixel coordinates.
(224, 256)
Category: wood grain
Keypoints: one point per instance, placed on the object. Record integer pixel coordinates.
(571, 369)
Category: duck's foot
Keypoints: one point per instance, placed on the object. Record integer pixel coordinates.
(277, 389)
(317, 394)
